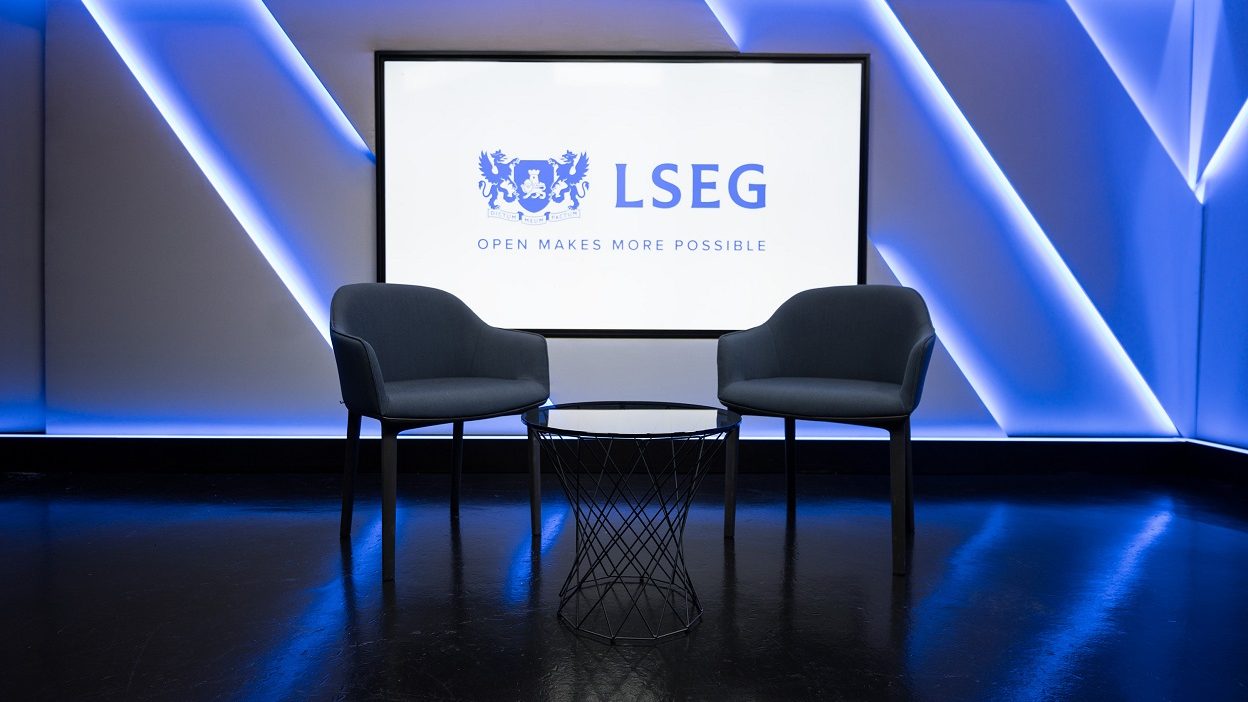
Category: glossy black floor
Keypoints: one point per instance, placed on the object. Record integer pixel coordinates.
(236, 587)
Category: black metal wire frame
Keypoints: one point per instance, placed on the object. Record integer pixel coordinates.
(628, 582)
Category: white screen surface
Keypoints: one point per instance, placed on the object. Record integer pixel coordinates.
(621, 195)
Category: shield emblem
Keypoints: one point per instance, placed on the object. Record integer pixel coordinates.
(534, 180)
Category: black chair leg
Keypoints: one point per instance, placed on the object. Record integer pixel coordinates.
(909, 482)
(535, 483)
(732, 445)
(899, 447)
(790, 460)
(457, 466)
(350, 468)
(389, 490)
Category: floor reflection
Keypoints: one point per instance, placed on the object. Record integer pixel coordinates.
(1021, 588)
(328, 624)
(1083, 628)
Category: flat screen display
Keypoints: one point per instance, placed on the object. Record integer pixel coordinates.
(614, 195)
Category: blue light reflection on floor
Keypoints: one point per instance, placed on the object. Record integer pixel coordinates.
(280, 672)
(930, 623)
(517, 587)
(1091, 616)
(225, 587)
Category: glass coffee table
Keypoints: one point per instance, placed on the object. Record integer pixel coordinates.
(630, 470)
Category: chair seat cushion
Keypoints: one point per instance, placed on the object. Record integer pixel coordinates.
(460, 398)
(815, 397)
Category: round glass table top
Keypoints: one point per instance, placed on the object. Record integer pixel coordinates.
(631, 419)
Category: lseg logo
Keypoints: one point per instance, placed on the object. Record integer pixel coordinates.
(550, 190)
(547, 190)
(667, 192)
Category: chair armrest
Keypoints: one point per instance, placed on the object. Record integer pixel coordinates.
(916, 369)
(359, 374)
(750, 353)
(507, 353)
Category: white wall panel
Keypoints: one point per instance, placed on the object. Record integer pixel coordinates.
(162, 315)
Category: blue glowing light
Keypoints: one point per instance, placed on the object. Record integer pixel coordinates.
(1116, 49)
(303, 74)
(224, 177)
(963, 575)
(1230, 150)
(1206, 23)
(1091, 617)
(325, 619)
(520, 575)
(951, 336)
(1031, 237)
(1216, 445)
(731, 26)
(22, 416)
(1194, 28)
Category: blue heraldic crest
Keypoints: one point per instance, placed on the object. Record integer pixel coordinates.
(534, 191)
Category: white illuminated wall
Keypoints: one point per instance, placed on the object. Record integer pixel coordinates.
(1033, 172)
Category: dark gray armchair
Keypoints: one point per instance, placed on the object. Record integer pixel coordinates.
(413, 357)
(854, 354)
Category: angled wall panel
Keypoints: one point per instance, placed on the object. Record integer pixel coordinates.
(162, 315)
(1223, 411)
(165, 314)
(1086, 162)
(1221, 111)
(165, 317)
(1223, 405)
(950, 406)
(1148, 47)
(1219, 74)
(1014, 319)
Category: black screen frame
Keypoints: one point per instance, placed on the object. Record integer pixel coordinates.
(380, 58)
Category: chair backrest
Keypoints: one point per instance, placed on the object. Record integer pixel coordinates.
(416, 332)
(863, 332)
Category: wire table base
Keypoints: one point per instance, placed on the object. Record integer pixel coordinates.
(631, 496)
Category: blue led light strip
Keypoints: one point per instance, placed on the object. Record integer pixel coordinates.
(1096, 329)
(1206, 21)
(1201, 77)
(1188, 170)
(950, 336)
(1232, 141)
(726, 21)
(306, 77)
